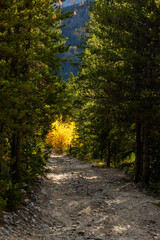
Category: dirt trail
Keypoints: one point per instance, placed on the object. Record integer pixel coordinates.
(78, 201)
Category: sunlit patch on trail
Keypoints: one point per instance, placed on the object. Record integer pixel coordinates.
(59, 177)
(87, 210)
(120, 229)
(90, 178)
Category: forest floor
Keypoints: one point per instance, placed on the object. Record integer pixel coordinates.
(78, 201)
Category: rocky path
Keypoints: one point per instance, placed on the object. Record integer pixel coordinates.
(77, 202)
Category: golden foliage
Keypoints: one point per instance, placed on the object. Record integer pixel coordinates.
(61, 134)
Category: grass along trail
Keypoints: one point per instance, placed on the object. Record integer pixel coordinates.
(78, 201)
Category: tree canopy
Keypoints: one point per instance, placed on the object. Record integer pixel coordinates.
(29, 87)
(119, 84)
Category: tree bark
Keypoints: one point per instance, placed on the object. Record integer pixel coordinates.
(138, 159)
(142, 140)
(108, 154)
(16, 157)
(146, 161)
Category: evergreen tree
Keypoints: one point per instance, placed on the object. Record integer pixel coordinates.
(29, 87)
(120, 67)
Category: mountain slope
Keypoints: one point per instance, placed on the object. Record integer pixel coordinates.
(68, 3)
(74, 30)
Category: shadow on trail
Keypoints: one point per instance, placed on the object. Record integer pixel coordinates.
(78, 202)
(97, 202)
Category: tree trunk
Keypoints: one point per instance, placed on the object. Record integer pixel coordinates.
(138, 152)
(146, 162)
(142, 143)
(108, 154)
(15, 155)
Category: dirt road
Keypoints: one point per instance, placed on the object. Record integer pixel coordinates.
(78, 201)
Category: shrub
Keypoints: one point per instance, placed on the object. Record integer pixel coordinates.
(61, 134)
(14, 197)
(2, 204)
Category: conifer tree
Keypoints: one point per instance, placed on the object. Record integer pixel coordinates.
(29, 87)
(120, 67)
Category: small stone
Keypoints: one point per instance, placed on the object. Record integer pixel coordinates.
(59, 226)
(34, 197)
(81, 232)
(38, 208)
(25, 185)
(157, 202)
(43, 191)
(73, 229)
(32, 204)
(74, 225)
(23, 191)
(45, 226)
(99, 238)
(34, 221)
(26, 202)
(6, 221)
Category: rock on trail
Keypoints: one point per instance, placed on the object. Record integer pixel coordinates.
(78, 202)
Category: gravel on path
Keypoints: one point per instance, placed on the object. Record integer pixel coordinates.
(78, 201)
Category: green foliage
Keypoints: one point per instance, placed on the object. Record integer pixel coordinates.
(34, 159)
(118, 86)
(2, 205)
(14, 197)
(30, 90)
(5, 185)
(126, 164)
(154, 188)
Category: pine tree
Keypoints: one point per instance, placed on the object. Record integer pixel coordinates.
(120, 67)
(29, 84)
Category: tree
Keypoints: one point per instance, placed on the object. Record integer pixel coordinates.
(29, 85)
(120, 67)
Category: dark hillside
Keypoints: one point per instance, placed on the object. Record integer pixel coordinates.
(74, 26)
(74, 30)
